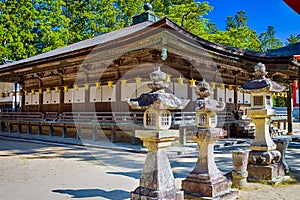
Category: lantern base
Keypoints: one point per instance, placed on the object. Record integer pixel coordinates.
(149, 194)
(271, 174)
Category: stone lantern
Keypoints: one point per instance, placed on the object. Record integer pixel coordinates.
(263, 162)
(157, 180)
(206, 181)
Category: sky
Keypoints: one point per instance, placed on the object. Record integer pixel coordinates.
(261, 14)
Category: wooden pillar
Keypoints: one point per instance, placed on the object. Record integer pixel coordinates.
(19, 127)
(235, 94)
(29, 128)
(40, 129)
(78, 131)
(64, 131)
(289, 110)
(15, 99)
(11, 128)
(40, 96)
(95, 132)
(113, 135)
(51, 131)
(133, 135)
(23, 99)
(182, 135)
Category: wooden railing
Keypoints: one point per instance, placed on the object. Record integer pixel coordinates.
(178, 118)
(30, 116)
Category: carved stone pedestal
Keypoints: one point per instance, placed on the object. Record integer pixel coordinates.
(281, 146)
(265, 166)
(206, 181)
(239, 173)
(157, 180)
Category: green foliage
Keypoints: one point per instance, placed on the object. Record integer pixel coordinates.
(30, 27)
(237, 34)
(293, 39)
(16, 35)
(268, 40)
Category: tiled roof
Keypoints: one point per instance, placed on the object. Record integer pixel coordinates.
(290, 50)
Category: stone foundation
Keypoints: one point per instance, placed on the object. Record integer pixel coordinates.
(269, 173)
(142, 193)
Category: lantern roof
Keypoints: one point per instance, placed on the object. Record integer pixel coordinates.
(158, 98)
(261, 83)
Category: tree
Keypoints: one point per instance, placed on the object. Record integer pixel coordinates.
(268, 40)
(51, 26)
(190, 15)
(16, 36)
(237, 33)
(293, 39)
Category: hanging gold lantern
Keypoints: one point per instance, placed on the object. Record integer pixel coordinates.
(168, 78)
(75, 86)
(26, 92)
(192, 83)
(48, 90)
(56, 89)
(66, 88)
(32, 91)
(138, 80)
(278, 94)
(86, 86)
(40, 90)
(285, 94)
(180, 80)
(213, 85)
(7, 94)
(230, 87)
(123, 82)
(222, 86)
(98, 85)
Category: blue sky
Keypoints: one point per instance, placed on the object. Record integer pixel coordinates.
(261, 14)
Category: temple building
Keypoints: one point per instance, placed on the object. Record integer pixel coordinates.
(99, 74)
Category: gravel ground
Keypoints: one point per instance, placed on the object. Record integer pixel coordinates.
(31, 171)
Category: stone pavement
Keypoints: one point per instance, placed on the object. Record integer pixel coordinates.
(42, 170)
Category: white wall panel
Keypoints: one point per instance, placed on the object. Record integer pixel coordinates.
(95, 94)
(108, 94)
(55, 97)
(35, 98)
(247, 98)
(46, 98)
(220, 94)
(229, 96)
(240, 97)
(129, 91)
(68, 96)
(181, 91)
(79, 95)
(28, 99)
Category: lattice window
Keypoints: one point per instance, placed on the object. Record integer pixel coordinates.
(202, 120)
(164, 119)
(258, 100)
(151, 119)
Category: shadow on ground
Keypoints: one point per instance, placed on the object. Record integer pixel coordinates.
(89, 193)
